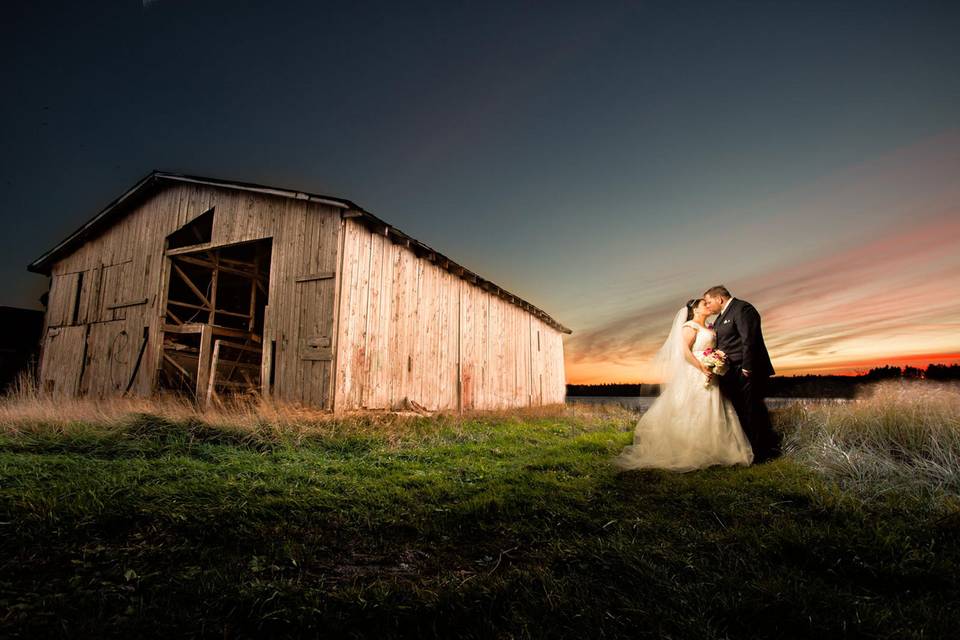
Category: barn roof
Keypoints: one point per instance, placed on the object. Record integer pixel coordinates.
(157, 179)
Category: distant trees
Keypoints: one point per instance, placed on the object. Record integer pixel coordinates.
(791, 386)
(943, 372)
(881, 373)
(932, 372)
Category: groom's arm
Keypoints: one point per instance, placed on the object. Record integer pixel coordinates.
(748, 326)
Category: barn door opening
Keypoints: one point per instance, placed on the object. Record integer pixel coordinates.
(214, 318)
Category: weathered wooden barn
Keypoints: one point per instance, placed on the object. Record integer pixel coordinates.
(205, 286)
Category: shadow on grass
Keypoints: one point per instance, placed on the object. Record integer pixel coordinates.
(486, 529)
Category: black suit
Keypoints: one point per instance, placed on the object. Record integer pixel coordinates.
(739, 336)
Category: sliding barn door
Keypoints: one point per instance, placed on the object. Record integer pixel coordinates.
(299, 336)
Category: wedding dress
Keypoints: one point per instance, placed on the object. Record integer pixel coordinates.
(690, 425)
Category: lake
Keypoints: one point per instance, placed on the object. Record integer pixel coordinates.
(642, 403)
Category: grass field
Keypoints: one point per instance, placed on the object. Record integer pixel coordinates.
(126, 522)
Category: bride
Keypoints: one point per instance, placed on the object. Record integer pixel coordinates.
(691, 425)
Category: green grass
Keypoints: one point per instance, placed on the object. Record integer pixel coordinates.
(486, 527)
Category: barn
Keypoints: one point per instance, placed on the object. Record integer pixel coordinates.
(208, 287)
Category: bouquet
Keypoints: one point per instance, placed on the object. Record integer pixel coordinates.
(716, 362)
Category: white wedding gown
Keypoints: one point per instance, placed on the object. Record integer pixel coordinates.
(689, 426)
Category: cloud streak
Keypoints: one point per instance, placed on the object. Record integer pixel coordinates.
(893, 296)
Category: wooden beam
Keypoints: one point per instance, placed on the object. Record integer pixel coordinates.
(237, 363)
(248, 384)
(190, 284)
(197, 327)
(249, 366)
(235, 314)
(240, 346)
(186, 327)
(213, 372)
(239, 262)
(213, 290)
(203, 365)
(182, 348)
(266, 360)
(189, 249)
(323, 275)
(253, 291)
(176, 364)
(129, 303)
(190, 305)
(210, 265)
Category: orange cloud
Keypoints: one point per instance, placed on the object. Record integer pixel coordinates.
(894, 299)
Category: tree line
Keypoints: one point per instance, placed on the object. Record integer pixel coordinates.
(810, 385)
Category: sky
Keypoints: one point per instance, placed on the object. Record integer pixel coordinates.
(605, 161)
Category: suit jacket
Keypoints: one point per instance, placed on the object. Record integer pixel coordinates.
(739, 336)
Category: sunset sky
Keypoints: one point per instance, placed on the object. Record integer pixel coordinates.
(605, 161)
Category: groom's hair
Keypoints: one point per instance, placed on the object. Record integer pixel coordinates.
(718, 290)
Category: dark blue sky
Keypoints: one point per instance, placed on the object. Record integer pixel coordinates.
(567, 151)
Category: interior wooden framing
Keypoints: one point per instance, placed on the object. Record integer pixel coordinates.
(207, 348)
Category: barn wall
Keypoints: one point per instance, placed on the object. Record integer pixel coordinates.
(125, 265)
(405, 323)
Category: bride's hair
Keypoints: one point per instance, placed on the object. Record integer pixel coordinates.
(691, 305)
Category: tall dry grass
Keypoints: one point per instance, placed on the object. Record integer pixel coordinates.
(27, 410)
(897, 435)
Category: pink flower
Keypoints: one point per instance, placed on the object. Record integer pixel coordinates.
(707, 351)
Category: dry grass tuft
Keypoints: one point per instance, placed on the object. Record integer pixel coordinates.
(896, 435)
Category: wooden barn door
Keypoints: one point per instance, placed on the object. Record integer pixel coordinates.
(315, 301)
(113, 351)
(63, 358)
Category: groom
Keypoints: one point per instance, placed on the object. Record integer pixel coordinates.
(739, 336)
